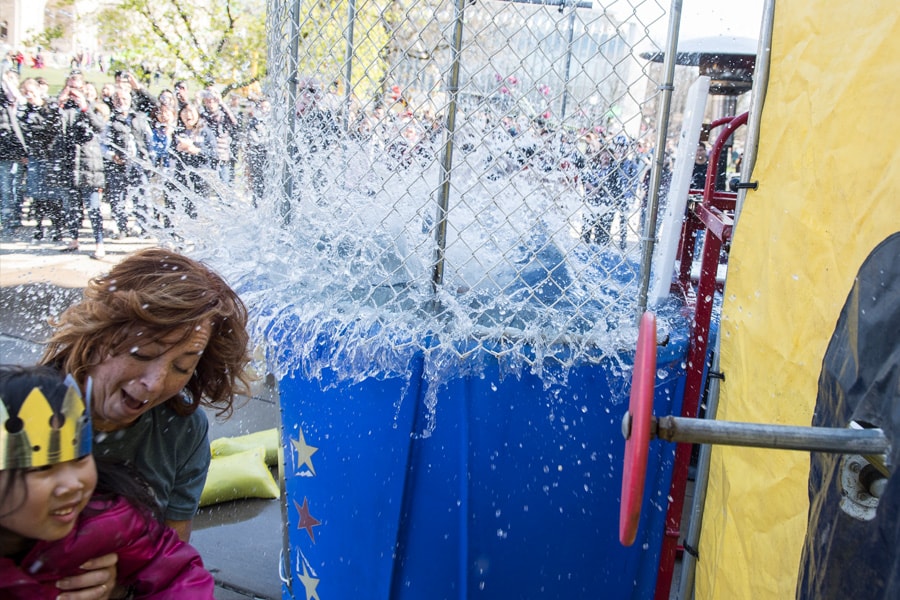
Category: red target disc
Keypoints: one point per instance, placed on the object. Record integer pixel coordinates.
(636, 428)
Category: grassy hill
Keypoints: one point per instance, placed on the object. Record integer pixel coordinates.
(56, 78)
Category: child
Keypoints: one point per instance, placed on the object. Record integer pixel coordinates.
(51, 518)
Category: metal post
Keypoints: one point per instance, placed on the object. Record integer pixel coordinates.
(440, 230)
(348, 61)
(293, 67)
(562, 114)
(649, 238)
(760, 84)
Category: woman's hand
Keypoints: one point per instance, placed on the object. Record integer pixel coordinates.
(96, 583)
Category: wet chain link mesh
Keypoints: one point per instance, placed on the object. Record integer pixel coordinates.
(468, 174)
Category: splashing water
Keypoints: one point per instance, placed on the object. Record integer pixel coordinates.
(344, 286)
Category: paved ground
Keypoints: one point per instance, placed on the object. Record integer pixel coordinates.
(240, 541)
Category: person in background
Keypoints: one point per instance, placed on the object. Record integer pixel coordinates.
(598, 165)
(90, 175)
(168, 98)
(224, 125)
(141, 100)
(13, 151)
(256, 149)
(182, 95)
(701, 164)
(75, 130)
(163, 121)
(127, 137)
(90, 92)
(56, 513)
(45, 87)
(40, 122)
(193, 151)
(106, 95)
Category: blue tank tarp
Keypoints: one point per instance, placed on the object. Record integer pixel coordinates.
(492, 485)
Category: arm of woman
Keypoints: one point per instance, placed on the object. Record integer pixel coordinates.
(190, 476)
(182, 528)
(96, 583)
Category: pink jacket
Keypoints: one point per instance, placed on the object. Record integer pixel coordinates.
(151, 557)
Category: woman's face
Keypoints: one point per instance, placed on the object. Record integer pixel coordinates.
(129, 384)
(167, 98)
(56, 495)
(165, 114)
(189, 116)
(32, 93)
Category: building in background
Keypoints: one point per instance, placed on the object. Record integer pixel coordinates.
(73, 26)
(19, 21)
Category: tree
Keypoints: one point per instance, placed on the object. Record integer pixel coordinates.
(222, 41)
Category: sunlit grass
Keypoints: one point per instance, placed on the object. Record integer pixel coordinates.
(56, 78)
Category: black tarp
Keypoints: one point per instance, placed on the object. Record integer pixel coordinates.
(844, 557)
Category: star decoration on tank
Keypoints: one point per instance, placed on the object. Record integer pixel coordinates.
(304, 452)
(307, 521)
(309, 584)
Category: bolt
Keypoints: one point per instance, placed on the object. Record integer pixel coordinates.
(626, 425)
(854, 466)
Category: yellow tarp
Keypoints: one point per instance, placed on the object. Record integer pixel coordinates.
(829, 192)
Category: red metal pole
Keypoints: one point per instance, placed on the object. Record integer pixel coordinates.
(696, 365)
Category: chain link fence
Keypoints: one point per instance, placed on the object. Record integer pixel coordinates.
(456, 177)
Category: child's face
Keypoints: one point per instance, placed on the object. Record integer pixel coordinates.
(56, 495)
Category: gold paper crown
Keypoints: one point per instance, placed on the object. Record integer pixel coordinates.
(38, 437)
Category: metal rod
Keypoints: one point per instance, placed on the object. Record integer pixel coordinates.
(784, 437)
(440, 230)
(659, 154)
(348, 61)
(293, 69)
(701, 484)
(757, 101)
(568, 68)
(648, 243)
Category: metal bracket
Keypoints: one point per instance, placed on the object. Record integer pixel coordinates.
(862, 485)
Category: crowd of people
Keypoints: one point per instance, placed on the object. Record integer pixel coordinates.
(121, 145)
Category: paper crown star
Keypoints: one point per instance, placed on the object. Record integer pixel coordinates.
(38, 436)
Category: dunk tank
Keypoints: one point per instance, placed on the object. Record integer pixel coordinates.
(464, 222)
(457, 245)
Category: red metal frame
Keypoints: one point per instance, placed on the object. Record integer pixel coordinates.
(715, 216)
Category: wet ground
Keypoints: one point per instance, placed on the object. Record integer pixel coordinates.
(240, 541)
